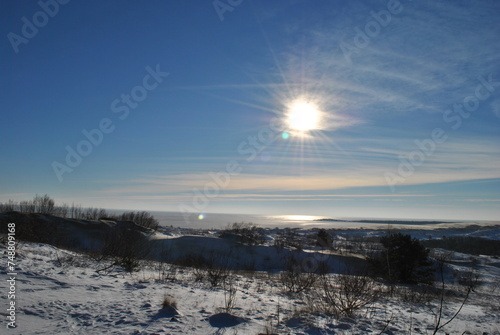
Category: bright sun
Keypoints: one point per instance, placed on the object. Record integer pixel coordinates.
(303, 116)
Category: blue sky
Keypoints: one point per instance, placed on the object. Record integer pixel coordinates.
(185, 106)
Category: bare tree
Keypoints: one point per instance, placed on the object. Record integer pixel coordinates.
(62, 210)
(26, 207)
(43, 204)
(8, 206)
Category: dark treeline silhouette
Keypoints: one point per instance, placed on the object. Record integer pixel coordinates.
(44, 204)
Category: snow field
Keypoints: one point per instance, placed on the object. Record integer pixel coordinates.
(59, 292)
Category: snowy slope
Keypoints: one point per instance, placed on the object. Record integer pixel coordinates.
(59, 292)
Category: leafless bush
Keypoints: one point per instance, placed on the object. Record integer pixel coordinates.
(196, 262)
(345, 294)
(294, 279)
(164, 271)
(217, 275)
(217, 269)
(125, 247)
(211, 266)
(229, 294)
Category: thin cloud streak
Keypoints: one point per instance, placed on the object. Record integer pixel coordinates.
(266, 183)
(451, 162)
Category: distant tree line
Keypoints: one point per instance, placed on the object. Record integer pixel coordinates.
(45, 205)
(42, 204)
(466, 244)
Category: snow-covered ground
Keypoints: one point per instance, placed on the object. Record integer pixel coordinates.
(60, 292)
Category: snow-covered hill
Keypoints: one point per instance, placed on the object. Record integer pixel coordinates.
(60, 292)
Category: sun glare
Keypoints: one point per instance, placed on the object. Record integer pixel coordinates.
(303, 116)
(301, 217)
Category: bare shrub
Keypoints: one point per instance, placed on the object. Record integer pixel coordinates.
(294, 279)
(166, 271)
(213, 267)
(125, 247)
(345, 294)
(217, 275)
(196, 262)
(217, 268)
(199, 274)
(229, 294)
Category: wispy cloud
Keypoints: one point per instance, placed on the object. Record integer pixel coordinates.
(451, 162)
